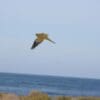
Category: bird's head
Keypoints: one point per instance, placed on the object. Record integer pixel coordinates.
(37, 34)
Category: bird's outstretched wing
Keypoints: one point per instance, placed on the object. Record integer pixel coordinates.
(35, 44)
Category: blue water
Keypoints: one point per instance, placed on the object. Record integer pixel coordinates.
(23, 84)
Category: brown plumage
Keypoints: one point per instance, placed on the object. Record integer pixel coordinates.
(40, 38)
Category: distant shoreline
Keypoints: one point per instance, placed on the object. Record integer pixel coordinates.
(27, 74)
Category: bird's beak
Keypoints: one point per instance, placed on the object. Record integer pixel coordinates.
(50, 40)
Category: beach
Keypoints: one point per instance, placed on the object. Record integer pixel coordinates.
(36, 95)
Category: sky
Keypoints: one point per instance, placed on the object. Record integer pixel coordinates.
(73, 24)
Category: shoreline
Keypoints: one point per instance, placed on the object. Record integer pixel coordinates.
(37, 95)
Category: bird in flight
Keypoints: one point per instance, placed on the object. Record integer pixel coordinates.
(40, 38)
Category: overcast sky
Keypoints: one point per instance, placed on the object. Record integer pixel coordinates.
(73, 24)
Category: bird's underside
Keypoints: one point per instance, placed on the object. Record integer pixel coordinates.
(40, 38)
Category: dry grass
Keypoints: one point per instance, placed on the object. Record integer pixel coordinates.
(89, 98)
(76, 98)
(63, 98)
(34, 95)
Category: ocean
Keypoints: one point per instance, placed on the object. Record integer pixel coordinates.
(22, 84)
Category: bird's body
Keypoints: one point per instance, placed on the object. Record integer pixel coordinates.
(40, 38)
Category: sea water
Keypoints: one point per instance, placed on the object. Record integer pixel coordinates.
(22, 84)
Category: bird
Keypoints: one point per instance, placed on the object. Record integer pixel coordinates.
(40, 38)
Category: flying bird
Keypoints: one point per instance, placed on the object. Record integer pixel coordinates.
(40, 38)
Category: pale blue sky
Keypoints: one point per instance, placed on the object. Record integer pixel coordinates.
(73, 24)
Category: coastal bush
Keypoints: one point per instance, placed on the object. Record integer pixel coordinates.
(89, 98)
(64, 98)
(34, 95)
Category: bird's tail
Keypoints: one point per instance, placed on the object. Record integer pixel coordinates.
(50, 40)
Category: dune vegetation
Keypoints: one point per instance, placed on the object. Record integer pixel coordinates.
(34, 95)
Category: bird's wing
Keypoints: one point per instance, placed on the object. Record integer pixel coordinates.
(35, 44)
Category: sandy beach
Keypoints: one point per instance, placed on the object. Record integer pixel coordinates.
(34, 95)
